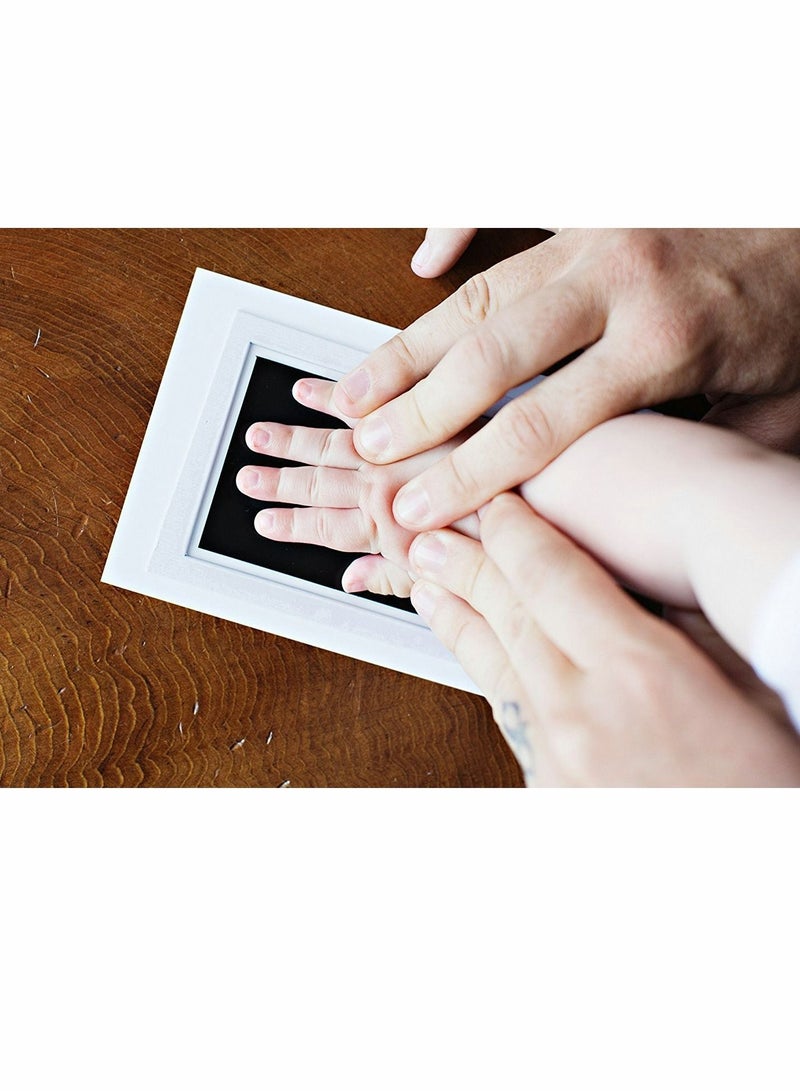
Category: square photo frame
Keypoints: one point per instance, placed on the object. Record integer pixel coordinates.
(185, 534)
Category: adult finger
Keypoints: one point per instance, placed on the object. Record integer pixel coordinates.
(440, 249)
(403, 360)
(520, 342)
(342, 529)
(571, 599)
(526, 434)
(376, 574)
(311, 446)
(465, 633)
(463, 567)
(313, 486)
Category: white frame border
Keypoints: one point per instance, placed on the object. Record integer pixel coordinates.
(225, 324)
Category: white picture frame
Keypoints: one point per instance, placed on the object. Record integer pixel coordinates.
(225, 324)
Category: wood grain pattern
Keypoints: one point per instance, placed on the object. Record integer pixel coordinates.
(102, 687)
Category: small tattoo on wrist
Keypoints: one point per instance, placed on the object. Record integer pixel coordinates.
(516, 730)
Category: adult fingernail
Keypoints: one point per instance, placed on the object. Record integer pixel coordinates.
(374, 436)
(411, 506)
(355, 386)
(423, 599)
(422, 258)
(248, 479)
(301, 391)
(428, 553)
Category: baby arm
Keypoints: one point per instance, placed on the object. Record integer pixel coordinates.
(693, 515)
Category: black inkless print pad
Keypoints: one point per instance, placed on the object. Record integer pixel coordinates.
(229, 530)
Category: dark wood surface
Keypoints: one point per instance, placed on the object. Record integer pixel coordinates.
(102, 687)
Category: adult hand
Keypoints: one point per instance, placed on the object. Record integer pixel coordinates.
(588, 688)
(440, 250)
(771, 420)
(659, 315)
(737, 670)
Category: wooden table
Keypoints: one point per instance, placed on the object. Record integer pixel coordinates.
(102, 687)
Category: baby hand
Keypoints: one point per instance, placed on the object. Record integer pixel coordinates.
(343, 502)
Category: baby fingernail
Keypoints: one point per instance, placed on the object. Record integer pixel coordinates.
(428, 553)
(411, 506)
(353, 584)
(355, 386)
(265, 521)
(248, 479)
(259, 438)
(374, 436)
(301, 391)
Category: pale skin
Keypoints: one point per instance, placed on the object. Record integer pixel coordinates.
(599, 693)
(659, 315)
(687, 541)
(347, 502)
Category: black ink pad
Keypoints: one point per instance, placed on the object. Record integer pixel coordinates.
(229, 529)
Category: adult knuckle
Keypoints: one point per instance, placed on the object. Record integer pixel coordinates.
(569, 297)
(518, 623)
(527, 430)
(487, 351)
(402, 358)
(474, 299)
(465, 482)
(493, 519)
(644, 253)
(547, 563)
(461, 637)
(644, 683)
(420, 421)
(668, 355)
(473, 580)
(680, 332)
